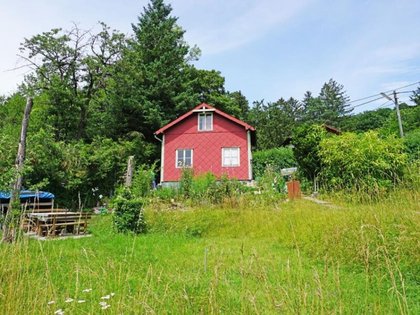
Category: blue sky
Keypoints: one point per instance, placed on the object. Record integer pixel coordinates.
(267, 49)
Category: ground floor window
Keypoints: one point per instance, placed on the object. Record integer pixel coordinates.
(184, 158)
(230, 157)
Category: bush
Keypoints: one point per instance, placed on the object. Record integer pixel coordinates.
(306, 141)
(202, 184)
(276, 159)
(412, 145)
(271, 180)
(128, 213)
(361, 162)
(142, 180)
(185, 185)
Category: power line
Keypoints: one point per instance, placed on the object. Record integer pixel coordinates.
(418, 82)
(367, 97)
(376, 99)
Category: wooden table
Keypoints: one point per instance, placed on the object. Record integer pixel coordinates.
(53, 223)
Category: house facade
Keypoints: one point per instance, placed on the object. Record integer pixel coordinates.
(206, 140)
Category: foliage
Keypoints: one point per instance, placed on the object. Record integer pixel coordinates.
(365, 121)
(415, 97)
(328, 107)
(128, 213)
(185, 184)
(306, 141)
(72, 69)
(143, 180)
(410, 117)
(412, 145)
(202, 185)
(274, 121)
(276, 158)
(362, 162)
(271, 181)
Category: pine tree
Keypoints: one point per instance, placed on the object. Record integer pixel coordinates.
(153, 71)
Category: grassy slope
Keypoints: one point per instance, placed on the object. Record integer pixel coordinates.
(296, 257)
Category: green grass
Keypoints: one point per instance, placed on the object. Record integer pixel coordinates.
(293, 257)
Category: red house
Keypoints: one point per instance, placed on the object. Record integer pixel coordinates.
(207, 140)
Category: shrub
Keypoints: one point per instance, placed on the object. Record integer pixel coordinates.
(202, 184)
(412, 145)
(306, 141)
(276, 159)
(128, 213)
(185, 185)
(271, 180)
(361, 162)
(142, 180)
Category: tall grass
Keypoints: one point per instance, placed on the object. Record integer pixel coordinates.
(294, 257)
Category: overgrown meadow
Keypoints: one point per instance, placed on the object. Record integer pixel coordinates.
(249, 255)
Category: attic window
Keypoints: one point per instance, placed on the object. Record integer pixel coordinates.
(205, 121)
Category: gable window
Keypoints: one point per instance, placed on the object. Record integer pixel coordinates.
(230, 157)
(205, 121)
(184, 158)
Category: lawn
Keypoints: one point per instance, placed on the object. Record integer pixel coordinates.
(239, 258)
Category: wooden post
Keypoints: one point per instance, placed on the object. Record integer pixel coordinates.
(130, 171)
(11, 222)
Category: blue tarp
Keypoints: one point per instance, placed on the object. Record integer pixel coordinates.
(26, 194)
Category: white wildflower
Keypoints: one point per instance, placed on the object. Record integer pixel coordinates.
(87, 290)
(106, 297)
(105, 306)
(103, 303)
(69, 300)
(112, 294)
(81, 301)
(59, 312)
(51, 302)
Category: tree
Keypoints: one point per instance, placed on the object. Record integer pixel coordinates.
(275, 121)
(151, 76)
(72, 68)
(328, 107)
(306, 141)
(368, 120)
(415, 97)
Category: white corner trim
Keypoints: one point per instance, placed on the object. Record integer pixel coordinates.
(162, 159)
(249, 155)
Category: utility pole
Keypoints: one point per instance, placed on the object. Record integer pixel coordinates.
(397, 107)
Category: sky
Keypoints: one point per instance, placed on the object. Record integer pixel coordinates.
(267, 49)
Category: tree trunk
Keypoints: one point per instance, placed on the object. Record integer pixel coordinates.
(13, 215)
(130, 170)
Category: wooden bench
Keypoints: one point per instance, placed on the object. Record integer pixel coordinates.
(52, 224)
(28, 224)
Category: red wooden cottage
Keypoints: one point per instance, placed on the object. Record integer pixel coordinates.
(207, 140)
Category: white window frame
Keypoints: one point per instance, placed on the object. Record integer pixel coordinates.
(239, 156)
(183, 157)
(206, 128)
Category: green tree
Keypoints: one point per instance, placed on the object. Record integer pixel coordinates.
(368, 120)
(72, 68)
(329, 107)
(151, 75)
(415, 97)
(275, 121)
(306, 141)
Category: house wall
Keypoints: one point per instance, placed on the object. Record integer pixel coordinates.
(207, 148)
